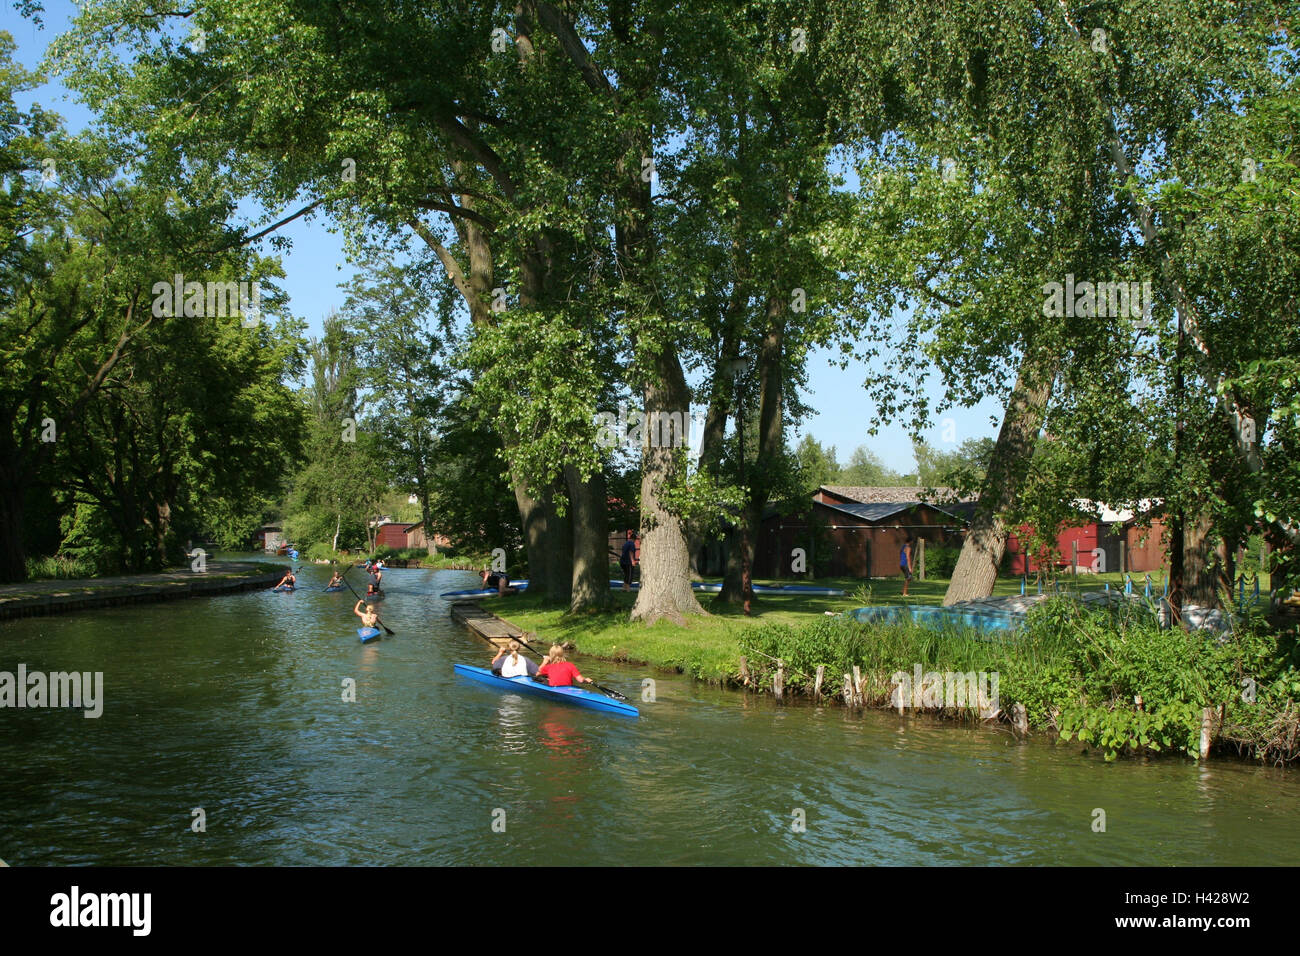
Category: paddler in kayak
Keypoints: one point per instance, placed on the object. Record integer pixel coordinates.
(510, 663)
(558, 671)
(499, 581)
(369, 617)
(336, 581)
(288, 581)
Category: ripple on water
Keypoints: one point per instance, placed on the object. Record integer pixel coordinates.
(235, 704)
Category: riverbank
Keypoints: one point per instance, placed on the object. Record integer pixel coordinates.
(1109, 678)
(36, 598)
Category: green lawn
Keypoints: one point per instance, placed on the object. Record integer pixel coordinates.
(708, 647)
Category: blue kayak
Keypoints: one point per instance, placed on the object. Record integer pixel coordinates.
(483, 592)
(337, 587)
(772, 589)
(283, 588)
(569, 695)
(368, 634)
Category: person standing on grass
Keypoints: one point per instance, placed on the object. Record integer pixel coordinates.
(905, 561)
(627, 560)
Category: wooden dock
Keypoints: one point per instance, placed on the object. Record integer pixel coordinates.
(487, 626)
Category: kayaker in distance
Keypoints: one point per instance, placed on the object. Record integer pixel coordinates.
(558, 671)
(369, 617)
(335, 581)
(510, 663)
(288, 580)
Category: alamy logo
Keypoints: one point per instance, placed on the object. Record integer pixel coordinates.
(102, 909)
(211, 299)
(935, 689)
(1098, 299)
(57, 689)
(655, 430)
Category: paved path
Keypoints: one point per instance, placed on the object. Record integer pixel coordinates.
(61, 596)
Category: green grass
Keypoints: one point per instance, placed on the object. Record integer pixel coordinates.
(709, 648)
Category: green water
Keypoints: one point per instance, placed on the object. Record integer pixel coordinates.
(234, 704)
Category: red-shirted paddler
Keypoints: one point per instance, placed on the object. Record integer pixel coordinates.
(558, 671)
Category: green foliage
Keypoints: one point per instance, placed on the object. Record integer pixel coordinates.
(60, 567)
(940, 560)
(1081, 672)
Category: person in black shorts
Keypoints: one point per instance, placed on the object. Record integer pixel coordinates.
(499, 581)
(905, 562)
(627, 560)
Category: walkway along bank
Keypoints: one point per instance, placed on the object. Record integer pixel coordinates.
(34, 598)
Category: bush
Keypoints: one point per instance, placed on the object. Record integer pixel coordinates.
(1112, 678)
(60, 567)
(321, 551)
(940, 560)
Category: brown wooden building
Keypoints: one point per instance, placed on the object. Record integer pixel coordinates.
(863, 537)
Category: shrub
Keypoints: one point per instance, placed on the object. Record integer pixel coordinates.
(940, 561)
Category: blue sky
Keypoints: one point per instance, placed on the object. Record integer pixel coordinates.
(316, 264)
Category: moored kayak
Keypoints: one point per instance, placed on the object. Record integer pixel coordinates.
(368, 634)
(569, 695)
(483, 592)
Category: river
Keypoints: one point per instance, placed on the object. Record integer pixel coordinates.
(234, 705)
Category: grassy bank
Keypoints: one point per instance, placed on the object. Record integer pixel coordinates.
(1110, 679)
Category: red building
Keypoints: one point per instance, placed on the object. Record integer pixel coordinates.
(1103, 540)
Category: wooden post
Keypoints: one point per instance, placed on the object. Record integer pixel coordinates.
(1123, 554)
(778, 680)
(857, 686)
(848, 691)
(1207, 724)
(817, 684)
(744, 671)
(1020, 719)
(1074, 556)
(920, 558)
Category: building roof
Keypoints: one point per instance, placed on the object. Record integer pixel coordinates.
(883, 494)
(879, 511)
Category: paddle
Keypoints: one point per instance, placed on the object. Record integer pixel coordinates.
(389, 631)
(604, 690)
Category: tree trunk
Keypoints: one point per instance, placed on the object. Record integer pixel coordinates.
(665, 565)
(559, 546)
(589, 508)
(1201, 576)
(532, 520)
(986, 540)
(13, 560)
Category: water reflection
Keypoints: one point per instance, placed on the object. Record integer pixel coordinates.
(233, 704)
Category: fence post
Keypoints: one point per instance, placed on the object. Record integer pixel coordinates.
(1074, 556)
(857, 686)
(920, 558)
(744, 671)
(778, 680)
(817, 684)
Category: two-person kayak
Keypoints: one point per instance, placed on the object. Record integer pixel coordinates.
(570, 695)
